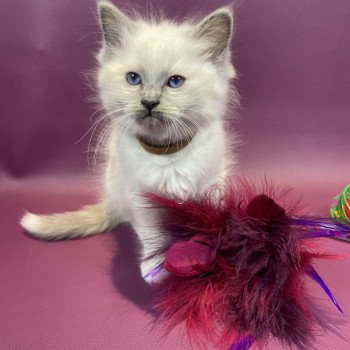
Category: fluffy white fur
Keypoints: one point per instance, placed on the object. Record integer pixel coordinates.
(156, 50)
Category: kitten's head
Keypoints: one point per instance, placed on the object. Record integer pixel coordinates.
(161, 80)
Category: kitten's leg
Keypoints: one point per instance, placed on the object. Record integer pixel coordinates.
(89, 220)
(151, 239)
(151, 268)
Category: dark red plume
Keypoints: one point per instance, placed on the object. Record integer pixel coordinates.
(237, 268)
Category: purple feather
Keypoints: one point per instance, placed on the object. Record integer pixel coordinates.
(316, 228)
(243, 344)
(318, 279)
(324, 234)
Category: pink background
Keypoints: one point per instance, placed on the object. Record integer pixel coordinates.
(293, 59)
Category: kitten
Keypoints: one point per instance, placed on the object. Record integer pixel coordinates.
(165, 87)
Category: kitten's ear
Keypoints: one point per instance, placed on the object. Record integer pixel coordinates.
(216, 31)
(114, 23)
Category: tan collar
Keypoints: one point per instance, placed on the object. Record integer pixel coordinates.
(166, 149)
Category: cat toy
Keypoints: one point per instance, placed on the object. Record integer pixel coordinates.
(237, 265)
(341, 210)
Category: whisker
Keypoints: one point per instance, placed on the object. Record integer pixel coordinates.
(104, 108)
(103, 117)
(131, 122)
(206, 117)
(191, 135)
(100, 118)
(189, 118)
(106, 132)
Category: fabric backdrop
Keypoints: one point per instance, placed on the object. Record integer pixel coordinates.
(293, 59)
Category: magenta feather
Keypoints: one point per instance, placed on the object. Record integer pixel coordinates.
(237, 263)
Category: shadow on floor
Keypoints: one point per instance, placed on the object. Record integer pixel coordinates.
(125, 269)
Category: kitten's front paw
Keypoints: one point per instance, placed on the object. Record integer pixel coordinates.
(152, 271)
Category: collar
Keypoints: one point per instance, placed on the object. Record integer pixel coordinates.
(163, 150)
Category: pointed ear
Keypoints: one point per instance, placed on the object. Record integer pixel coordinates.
(114, 23)
(216, 30)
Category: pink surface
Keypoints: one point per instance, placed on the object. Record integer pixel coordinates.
(293, 59)
(87, 294)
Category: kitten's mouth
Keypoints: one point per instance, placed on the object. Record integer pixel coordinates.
(151, 117)
(153, 122)
(155, 115)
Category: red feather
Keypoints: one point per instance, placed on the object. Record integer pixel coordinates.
(238, 268)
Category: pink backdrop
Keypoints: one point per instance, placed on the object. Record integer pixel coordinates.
(293, 60)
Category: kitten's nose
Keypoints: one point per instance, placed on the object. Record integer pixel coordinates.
(149, 105)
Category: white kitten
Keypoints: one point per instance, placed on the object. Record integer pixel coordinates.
(166, 87)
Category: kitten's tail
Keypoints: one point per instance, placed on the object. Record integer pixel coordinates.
(89, 220)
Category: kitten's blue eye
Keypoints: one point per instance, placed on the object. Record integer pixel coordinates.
(133, 78)
(175, 81)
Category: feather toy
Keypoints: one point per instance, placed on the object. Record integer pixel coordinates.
(341, 209)
(237, 264)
